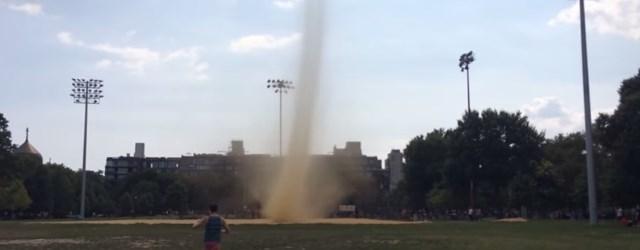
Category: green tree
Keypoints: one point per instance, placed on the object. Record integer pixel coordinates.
(177, 196)
(7, 165)
(398, 198)
(64, 190)
(564, 169)
(440, 197)
(463, 159)
(125, 204)
(26, 165)
(425, 156)
(161, 180)
(13, 196)
(39, 186)
(146, 197)
(209, 187)
(98, 197)
(619, 135)
(499, 152)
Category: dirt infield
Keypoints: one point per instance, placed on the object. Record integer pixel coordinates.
(339, 221)
(41, 242)
(511, 220)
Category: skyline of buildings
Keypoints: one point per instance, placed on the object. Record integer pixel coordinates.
(236, 160)
(120, 166)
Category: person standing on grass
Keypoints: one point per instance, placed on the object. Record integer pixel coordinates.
(636, 214)
(214, 224)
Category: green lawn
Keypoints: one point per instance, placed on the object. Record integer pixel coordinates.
(534, 235)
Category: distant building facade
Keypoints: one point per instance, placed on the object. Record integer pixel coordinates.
(351, 148)
(162, 164)
(237, 161)
(394, 163)
(118, 168)
(139, 152)
(370, 165)
(237, 148)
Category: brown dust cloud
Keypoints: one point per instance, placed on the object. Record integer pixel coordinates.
(300, 191)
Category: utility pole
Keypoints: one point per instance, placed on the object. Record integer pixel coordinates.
(280, 86)
(85, 92)
(463, 63)
(591, 179)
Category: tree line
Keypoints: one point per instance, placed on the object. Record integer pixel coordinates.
(31, 189)
(498, 160)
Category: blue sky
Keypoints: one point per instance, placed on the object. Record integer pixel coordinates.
(189, 76)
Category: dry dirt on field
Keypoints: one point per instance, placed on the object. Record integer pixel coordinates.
(339, 221)
(40, 242)
(134, 243)
(519, 219)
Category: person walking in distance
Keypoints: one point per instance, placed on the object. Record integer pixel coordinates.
(214, 225)
(619, 213)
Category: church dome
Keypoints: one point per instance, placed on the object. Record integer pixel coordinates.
(27, 148)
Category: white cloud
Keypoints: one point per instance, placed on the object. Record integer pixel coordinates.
(32, 9)
(618, 17)
(286, 4)
(552, 116)
(138, 59)
(251, 43)
(67, 38)
(197, 68)
(132, 58)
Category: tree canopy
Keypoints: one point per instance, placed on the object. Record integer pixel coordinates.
(620, 139)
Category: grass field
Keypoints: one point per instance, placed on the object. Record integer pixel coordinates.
(438, 235)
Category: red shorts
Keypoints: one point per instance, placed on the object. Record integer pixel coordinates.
(211, 245)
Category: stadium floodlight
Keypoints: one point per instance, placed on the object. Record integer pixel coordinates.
(463, 63)
(280, 87)
(85, 92)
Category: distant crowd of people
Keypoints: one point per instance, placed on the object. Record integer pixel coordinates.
(470, 214)
(628, 217)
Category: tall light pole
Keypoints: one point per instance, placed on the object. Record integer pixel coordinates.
(591, 179)
(280, 87)
(85, 92)
(464, 61)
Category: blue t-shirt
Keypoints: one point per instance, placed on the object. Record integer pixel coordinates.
(213, 228)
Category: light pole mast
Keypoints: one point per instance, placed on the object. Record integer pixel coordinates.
(280, 86)
(591, 179)
(85, 92)
(464, 61)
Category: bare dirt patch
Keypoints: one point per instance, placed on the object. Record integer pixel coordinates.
(511, 220)
(41, 242)
(149, 244)
(338, 221)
